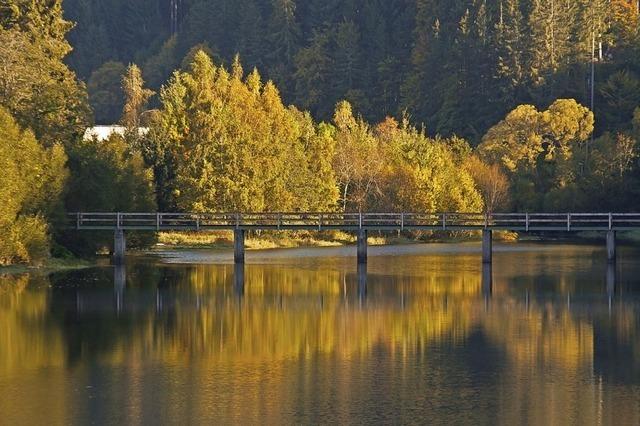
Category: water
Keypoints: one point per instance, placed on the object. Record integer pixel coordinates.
(306, 339)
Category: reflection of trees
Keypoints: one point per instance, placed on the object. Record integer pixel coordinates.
(29, 344)
(540, 336)
(430, 325)
(27, 338)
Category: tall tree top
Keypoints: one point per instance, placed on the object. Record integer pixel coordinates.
(42, 19)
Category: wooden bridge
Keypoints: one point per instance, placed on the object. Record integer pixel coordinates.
(359, 223)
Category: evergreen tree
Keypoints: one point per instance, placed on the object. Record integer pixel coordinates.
(510, 51)
(284, 38)
(553, 25)
(105, 92)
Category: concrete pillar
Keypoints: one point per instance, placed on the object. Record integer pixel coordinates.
(362, 246)
(611, 246)
(119, 246)
(238, 245)
(487, 249)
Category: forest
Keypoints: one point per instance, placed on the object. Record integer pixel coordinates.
(336, 105)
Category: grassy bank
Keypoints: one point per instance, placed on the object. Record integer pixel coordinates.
(271, 240)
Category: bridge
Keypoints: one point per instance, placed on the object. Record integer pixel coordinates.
(358, 223)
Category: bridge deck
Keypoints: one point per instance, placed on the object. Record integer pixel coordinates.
(521, 222)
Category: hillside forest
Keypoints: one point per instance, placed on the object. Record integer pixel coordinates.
(325, 105)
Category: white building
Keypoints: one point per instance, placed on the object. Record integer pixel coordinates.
(102, 133)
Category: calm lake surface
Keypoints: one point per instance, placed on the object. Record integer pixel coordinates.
(549, 336)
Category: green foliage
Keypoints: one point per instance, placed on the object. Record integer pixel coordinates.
(40, 91)
(41, 20)
(107, 176)
(473, 71)
(30, 186)
(538, 147)
(223, 142)
(424, 174)
(105, 92)
(136, 97)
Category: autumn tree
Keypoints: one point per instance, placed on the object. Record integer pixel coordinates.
(31, 185)
(136, 97)
(358, 162)
(536, 147)
(224, 141)
(492, 182)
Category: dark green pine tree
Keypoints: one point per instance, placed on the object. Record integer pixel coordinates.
(454, 83)
(552, 47)
(144, 27)
(375, 49)
(312, 76)
(509, 44)
(347, 70)
(318, 14)
(416, 86)
(249, 41)
(284, 41)
(90, 39)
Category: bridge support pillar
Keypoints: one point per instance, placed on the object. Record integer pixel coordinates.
(487, 246)
(611, 246)
(238, 246)
(362, 246)
(119, 247)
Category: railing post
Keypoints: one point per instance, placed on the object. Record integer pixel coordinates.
(78, 220)
(402, 221)
(526, 222)
(444, 221)
(568, 221)
(610, 221)
(197, 222)
(237, 220)
(158, 219)
(118, 225)
(486, 221)
(360, 220)
(279, 220)
(320, 222)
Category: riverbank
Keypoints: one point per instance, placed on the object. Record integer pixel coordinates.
(52, 265)
(223, 240)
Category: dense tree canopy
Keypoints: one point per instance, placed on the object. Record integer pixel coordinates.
(231, 145)
(423, 105)
(31, 184)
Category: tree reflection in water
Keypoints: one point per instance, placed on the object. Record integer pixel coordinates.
(322, 340)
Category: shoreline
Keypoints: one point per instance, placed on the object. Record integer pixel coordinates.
(222, 241)
(50, 266)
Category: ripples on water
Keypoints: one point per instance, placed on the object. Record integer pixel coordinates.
(302, 336)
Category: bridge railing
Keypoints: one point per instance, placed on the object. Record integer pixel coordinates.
(348, 221)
